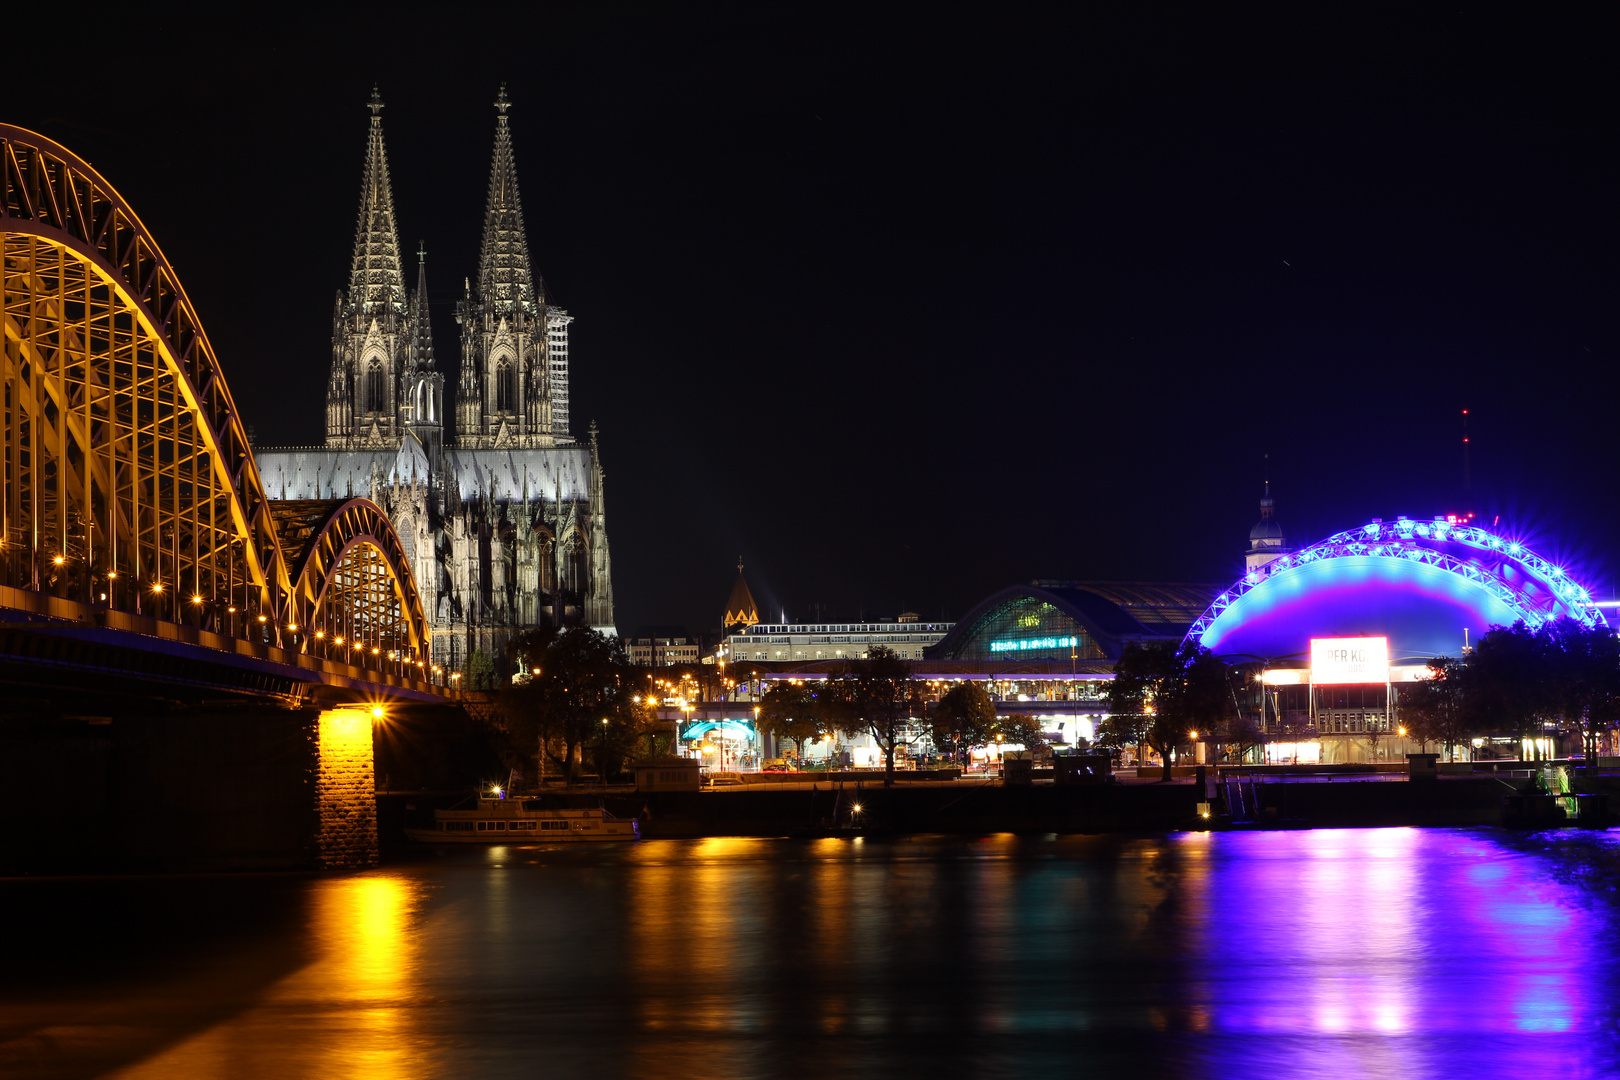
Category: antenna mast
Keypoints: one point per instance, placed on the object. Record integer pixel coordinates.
(1465, 452)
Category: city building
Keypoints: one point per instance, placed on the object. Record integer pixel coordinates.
(748, 639)
(1047, 649)
(503, 513)
(663, 647)
(793, 643)
(1071, 627)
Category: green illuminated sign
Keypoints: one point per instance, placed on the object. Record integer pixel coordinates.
(1027, 644)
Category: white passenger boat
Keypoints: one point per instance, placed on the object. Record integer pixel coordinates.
(507, 821)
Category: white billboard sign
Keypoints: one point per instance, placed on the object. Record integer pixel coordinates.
(1349, 660)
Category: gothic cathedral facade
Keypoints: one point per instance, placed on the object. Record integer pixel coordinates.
(502, 513)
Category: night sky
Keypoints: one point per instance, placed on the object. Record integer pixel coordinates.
(907, 305)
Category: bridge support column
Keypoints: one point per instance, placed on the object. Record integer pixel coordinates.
(176, 788)
(345, 789)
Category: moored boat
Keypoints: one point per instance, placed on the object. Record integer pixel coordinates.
(510, 821)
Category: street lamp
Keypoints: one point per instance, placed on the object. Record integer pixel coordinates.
(601, 765)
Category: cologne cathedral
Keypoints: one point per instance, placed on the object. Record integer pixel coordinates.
(502, 512)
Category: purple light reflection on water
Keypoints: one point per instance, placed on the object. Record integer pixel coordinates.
(1393, 952)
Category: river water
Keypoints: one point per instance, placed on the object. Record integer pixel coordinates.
(1331, 953)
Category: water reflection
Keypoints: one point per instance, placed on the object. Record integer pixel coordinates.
(347, 1014)
(1402, 952)
(1323, 953)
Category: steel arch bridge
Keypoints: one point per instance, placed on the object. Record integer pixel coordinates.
(128, 480)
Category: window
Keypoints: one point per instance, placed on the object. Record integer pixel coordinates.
(376, 396)
(506, 388)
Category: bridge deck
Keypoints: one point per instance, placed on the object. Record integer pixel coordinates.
(35, 627)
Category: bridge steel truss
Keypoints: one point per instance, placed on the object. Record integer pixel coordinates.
(128, 479)
(354, 578)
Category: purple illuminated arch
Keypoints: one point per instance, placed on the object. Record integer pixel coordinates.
(1420, 583)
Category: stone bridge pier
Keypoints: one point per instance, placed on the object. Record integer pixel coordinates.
(203, 788)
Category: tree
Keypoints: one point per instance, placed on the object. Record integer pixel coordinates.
(1168, 691)
(1583, 683)
(1507, 687)
(964, 717)
(873, 696)
(788, 711)
(1024, 730)
(478, 673)
(1433, 709)
(1122, 729)
(1374, 734)
(577, 679)
(1240, 734)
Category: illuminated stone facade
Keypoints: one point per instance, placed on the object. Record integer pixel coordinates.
(503, 516)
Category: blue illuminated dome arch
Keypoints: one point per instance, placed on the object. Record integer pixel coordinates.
(1419, 583)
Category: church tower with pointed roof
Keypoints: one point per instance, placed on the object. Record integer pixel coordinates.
(382, 351)
(1266, 539)
(740, 608)
(513, 387)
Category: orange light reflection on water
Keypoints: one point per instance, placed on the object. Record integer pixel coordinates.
(349, 1006)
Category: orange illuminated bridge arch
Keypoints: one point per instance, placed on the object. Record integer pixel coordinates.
(128, 479)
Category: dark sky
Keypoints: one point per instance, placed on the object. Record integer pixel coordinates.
(910, 303)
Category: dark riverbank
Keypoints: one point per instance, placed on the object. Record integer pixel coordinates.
(970, 807)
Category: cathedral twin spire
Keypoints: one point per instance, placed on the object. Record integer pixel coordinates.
(377, 280)
(514, 370)
(513, 390)
(504, 273)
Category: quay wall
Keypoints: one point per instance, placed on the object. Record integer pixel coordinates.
(984, 808)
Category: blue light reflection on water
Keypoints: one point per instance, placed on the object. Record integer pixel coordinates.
(1395, 952)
